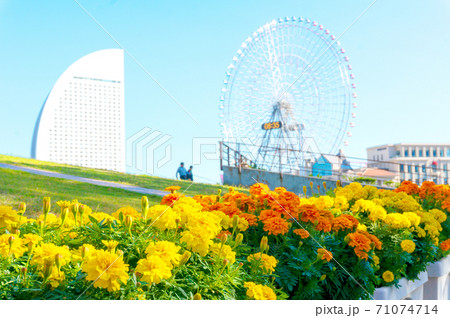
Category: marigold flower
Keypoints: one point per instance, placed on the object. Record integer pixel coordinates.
(302, 233)
(153, 269)
(172, 189)
(397, 221)
(250, 218)
(276, 225)
(106, 269)
(388, 276)
(127, 210)
(325, 255)
(309, 213)
(10, 244)
(47, 251)
(100, 216)
(408, 246)
(267, 262)
(110, 245)
(323, 224)
(445, 245)
(268, 214)
(31, 240)
(344, 222)
(223, 251)
(8, 217)
(163, 217)
(166, 250)
(197, 239)
(259, 292)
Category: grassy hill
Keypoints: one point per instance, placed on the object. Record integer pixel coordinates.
(17, 186)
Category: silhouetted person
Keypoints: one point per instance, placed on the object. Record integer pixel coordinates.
(190, 176)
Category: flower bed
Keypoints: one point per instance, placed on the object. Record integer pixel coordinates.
(438, 285)
(343, 243)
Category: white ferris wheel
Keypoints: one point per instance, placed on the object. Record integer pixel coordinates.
(288, 94)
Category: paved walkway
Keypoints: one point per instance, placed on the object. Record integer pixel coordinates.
(86, 180)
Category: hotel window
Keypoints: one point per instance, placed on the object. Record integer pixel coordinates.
(402, 168)
(427, 152)
(424, 168)
(413, 153)
(445, 166)
(441, 152)
(406, 152)
(434, 153)
(409, 168)
(416, 168)
(448, 152)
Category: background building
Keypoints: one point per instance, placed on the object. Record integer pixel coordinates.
(82, 121)
(414, 162)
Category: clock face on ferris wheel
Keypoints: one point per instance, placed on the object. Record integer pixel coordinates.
(296, 63)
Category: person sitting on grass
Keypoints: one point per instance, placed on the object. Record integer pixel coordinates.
(190, 176)
(181, 172)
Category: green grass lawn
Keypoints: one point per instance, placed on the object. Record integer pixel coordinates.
(17, 186)
(144, 181)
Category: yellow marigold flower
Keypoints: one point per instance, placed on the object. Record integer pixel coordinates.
(73, 235)
(242, 225)
(47, 251)
(127, 210)
(8, 217)
(225, 222)
(259, 292)
(223, 251)
(420, 232)
(172, 189)
(413, 218)
(376, 260)
(388, 276)
(64, 204)
(100, 216)
(31, 240)
(110, 245)
(106, 269)
(209, 222)
(397, 221)
(163, 217)
(340, 203)
(197, 239)
(52, 219)
(83, 251)
(153, 269)
(361, 227)
(408, 246)
(166, 250)
(267, 262)
(11, 244)
(439, 215)
(432, 230)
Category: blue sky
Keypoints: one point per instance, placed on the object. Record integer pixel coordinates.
(399, 50)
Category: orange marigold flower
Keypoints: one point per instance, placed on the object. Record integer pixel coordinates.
(268, 214)
(408, 187)
(172, 189)
(344, 222)
(276, 225)
(251, 219)
(323, 254)
(309, 213)
(171, 198)
(259, 189)
(359, 240)
(302, 233)
(323, 224)
(445, 245)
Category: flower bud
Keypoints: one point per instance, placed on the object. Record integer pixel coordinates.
(46, 206)
(235, 221)
(24, 271)
(224, 238)
(22, 207)
(338, 183)
(84, 251)
(64, 214)
(300, 244)
(225, 262)
(197, 296)
(311, 184)
(333, 269)
(305, 190)
(75, 208)
(240, 264)
(264, 245)
(15, 231)
(324, 186)
(318, 188)
(185, 258)
(11, 240)
(144, 203)
(58, 260)
(322, 277)
(238, 239)
(119, 253)
(128, 221)
(82, 210)
(41, 226)
(48, 267)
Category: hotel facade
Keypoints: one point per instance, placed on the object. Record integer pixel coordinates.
(82, 121)
(414, 162)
